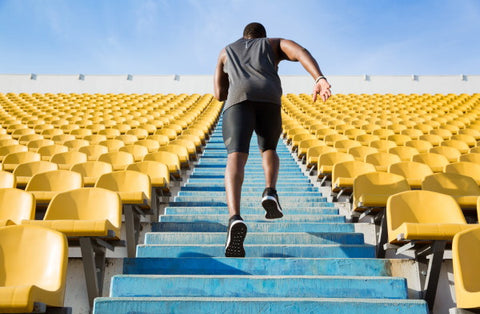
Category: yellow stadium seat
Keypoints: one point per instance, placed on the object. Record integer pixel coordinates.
(25, 171)
(93, 151)
(170, 133)
(414, 172)
(33, 268)
(85, 215)
(25, 139)
(46, 152)
(412, 133)
(422, 146)
(463, 189)
(91, 170)
(45, 185)
(465, 168)
(95, 139)
(382, 145)
(81, 133)
(360, 152)
(7, 179)
(322, 133)
(76, 144)
(399, 139)
(170, 159)
(451, 153)
(383, 133)
(119, 160)
(410, 222)
(134, 189)
(15, 206)
(344, 145)
(467, 139)
(139, 133)
(371, 190)
(366, 139)
(138, 151)
(151, 145)
(326, 162)
(353, 133)
(8, 142)
(50, 133)
(444, 133)
(382, 160)
(471, 132)
(343, 174)
(180, 151)
(470, 157)
(127, 139)
(404, 152)
(11, 161)
(194, 138)
(436, 162)
(11, 148)
(465, 259)
(21, 132)
(67, 159)
(61, 139)
(462, 147)
(109, 133)
(34, 145)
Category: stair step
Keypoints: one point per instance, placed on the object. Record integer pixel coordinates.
(250, 286)
(256, 227)
(257, 266)
(219, 218)
(249, 210)
(254, 238)
(258, 305)
(258, 250)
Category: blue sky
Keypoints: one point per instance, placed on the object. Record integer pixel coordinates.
(347, 37)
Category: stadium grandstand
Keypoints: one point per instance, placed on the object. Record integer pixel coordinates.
(112, 198)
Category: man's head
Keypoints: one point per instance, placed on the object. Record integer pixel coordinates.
(254, 30)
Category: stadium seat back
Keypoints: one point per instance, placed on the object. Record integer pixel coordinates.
(15, 206)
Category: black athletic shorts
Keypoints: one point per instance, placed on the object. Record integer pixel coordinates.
(240, 120)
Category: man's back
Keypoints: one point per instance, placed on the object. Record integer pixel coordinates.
(252, 72)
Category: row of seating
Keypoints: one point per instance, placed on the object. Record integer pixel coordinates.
(411, 162)
(70, 151)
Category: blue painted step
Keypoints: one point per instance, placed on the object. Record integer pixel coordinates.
(255, 238)
(258, 305)
(258, 286)
(258, 250)
(257, 266)
(254, 227)
(248, 210)
(219, 218)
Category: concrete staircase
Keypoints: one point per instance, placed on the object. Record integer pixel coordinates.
(310, 261)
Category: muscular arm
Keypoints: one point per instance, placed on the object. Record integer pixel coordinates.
(290, 50)
(220, 79)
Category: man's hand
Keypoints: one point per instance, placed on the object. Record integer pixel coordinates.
(322, 88)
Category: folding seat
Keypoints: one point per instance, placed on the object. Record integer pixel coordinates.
(50, 133)
(467, 139)
(159, 179)
(151, 145)
(360, 152)
(425, 229)
(93, 151)
(366, 139)
(397, 128)
(313, 154)
(404, 152)
(110, 133)
(414, 172)
(371, 190)
(412, 133)
(62, 138)
(150, 128)
(113, 145)
(343, 174)
(33, 268)
(422, 146)
(464, 189)
(462, 147)
(330, 139)
(46, 152)
(383, 133)
(8, 142)
(25, 171)
(15, 206)
(451, 153)
(170, 159)
(127, 139)
(12, 160)
(322, 133)
(345, 145)
(444, 133)
(91, 218)
(298, 138)
(326, 162)
(139, 133)
(25, 139)
(353, 133)
(12, 148)
(465, 259)
(435, 140)
(91, 170)
(45, 185)
(170, 133)
(7, 179)
(67, 159)
(123, 128)
(134, 189)
(76, 144)
(381, 160)
(119, 160)
(399, 139)
(21, 132)
(465, 168)
(436, 162)
(471, 157)
(470, 132)
(95, 139)
(81, 133)
(382, 145)
(189, 145)
(34, 145)
(138, 151)
(96, 127)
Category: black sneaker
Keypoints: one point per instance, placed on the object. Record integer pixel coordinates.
(271, 204)
(237, 231)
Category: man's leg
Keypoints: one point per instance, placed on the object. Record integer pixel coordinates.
(234, 175)
(271, 164)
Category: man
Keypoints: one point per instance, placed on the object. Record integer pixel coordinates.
(246, 77)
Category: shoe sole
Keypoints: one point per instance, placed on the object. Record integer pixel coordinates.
(236, 236)
(272, 208)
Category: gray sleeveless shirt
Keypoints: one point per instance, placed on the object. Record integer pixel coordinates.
(252, 73)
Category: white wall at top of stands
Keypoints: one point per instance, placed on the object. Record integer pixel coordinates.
(368, 84)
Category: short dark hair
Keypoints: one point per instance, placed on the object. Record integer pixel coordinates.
(254, 30)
